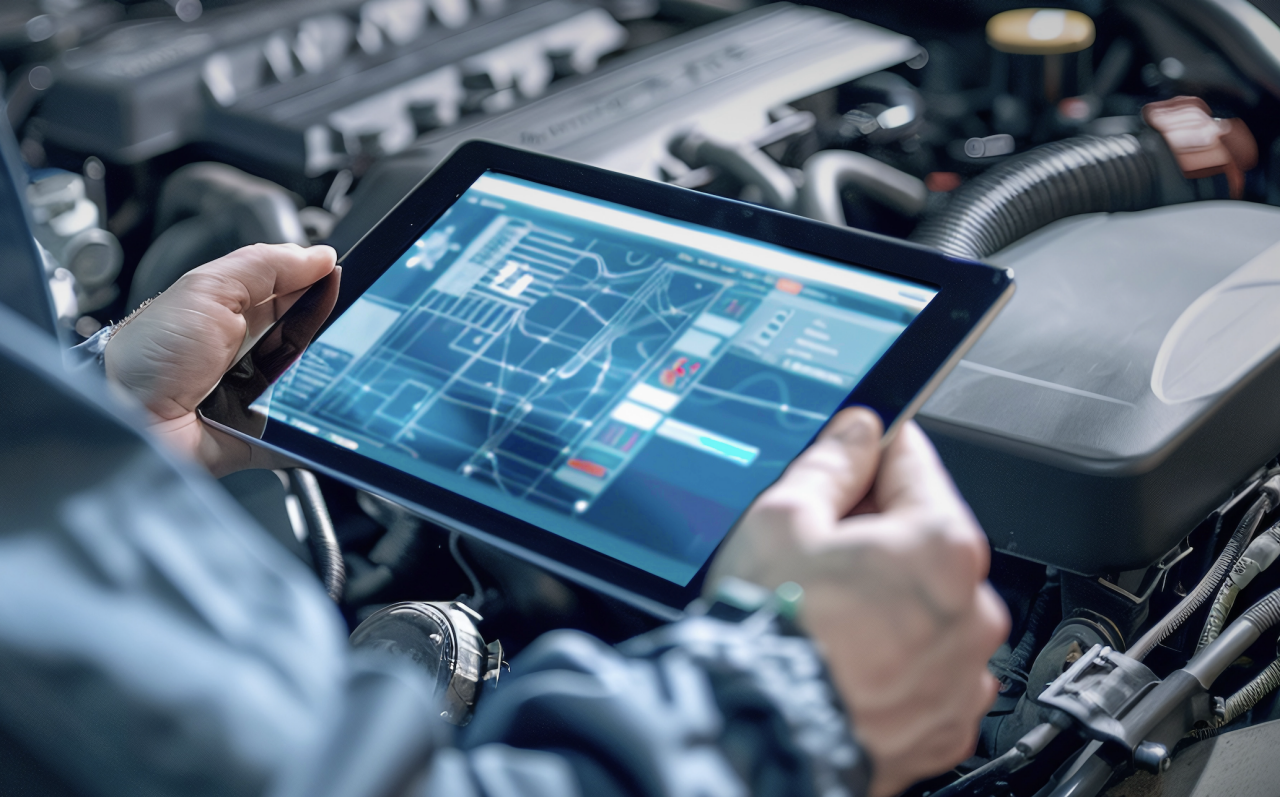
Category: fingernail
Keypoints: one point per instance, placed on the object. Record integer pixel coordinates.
(856, 425)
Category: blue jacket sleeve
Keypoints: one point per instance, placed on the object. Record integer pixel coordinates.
(700, 707)
(154, 641)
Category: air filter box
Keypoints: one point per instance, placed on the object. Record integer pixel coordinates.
(1129, 385)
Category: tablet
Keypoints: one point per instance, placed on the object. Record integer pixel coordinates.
(596, 372)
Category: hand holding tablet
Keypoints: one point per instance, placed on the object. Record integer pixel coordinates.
(893, 567)
(596, 372)
(171, 356)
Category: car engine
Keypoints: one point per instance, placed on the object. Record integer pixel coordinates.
(1114, 431)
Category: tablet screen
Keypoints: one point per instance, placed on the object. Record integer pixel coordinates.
(619, 378)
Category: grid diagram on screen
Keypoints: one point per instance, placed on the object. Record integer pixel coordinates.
(607, 365)
(545, 332)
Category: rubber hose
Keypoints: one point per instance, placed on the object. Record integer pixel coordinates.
(828, 172)
(1020, 658)
(1086, 174)
(266, 211)
(1220, 654)
(742, 160)
(207, 210)
(978, 782)
(321, 539)
(1260, 555)
(1188, 605)
(1264, 614)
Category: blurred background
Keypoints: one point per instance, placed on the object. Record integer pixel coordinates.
(314, 108)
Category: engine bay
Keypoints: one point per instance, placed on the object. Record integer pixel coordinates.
(1113, 431)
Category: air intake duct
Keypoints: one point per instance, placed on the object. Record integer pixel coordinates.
(1086, 174)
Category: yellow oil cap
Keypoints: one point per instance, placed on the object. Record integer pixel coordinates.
(1040, 31)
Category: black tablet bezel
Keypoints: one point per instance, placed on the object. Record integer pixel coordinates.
(969, 293)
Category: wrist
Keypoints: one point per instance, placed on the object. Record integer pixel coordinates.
(749, 641)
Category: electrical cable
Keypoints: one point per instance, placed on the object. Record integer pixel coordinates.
(1263, 684)
(1090, 772)
(477, 591)
(1248, 696)
(1226, 560)
(321, 539)
(1260, 555)
(1032, 743)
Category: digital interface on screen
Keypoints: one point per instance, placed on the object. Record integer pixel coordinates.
(618, 378)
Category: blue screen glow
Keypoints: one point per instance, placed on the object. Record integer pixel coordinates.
(618, 378)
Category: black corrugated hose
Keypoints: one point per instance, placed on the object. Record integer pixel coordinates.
(321, 539)
(1086, 174)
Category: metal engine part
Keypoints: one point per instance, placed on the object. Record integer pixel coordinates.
(68, 225)
(304, 86)
(1237, 764)
(441, 639)
(721, 79)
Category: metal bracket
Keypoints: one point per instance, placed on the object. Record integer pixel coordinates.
(1155, 575)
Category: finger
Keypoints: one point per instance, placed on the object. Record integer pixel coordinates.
(913, 475)
(326, 297)
(934, 719)
(914, 482)
(304, 324)
(993, 621)
(277, 346)
(834, 473)
(915, 658)
(261, 318)
(255, 275)
(952, 742)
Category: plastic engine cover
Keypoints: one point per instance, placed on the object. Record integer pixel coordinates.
(1129, 385)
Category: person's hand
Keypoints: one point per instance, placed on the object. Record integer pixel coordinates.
(893, 567)
(173, 352)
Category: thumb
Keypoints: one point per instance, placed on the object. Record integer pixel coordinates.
(252, 275)
(837, 471)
